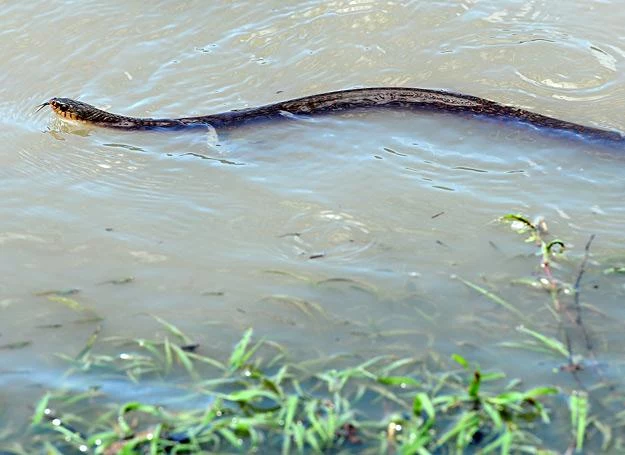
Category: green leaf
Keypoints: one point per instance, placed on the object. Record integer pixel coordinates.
(237, 358)
(494, 415)
(174, 330)
(551, 343)
(486, 377)
(402, 381)
(231, 437)
(291, 408)
(40, 409)
(541, 391)
(578, 404)
(168, 355)
(474, 386)
(504, 442)
(467, 424)
(422, 403)
(549, 247)
(495, 298)
(507, 398)
(249, 395)
(207, 360)
(460, 360)
(136, 407)
(184, 359)
(90, 342)
(520, 218)
(69, 303)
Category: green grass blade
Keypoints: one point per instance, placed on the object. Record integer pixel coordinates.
(422, 403)
(551, 343)
(174, 330)
(238, 354)
(494, 297)
(40, 409)
(185, 360)
(578, 403)
(460, 361)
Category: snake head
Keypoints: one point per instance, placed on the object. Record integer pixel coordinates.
(78, 111)
(67, 108)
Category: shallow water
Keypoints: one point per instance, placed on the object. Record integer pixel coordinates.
(369, 216)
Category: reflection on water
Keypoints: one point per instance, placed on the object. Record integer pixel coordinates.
(338, 234)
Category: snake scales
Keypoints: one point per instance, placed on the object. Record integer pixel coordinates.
(343, 100)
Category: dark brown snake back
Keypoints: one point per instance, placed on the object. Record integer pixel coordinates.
(383, 97)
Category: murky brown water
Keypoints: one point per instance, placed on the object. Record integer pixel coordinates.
(367, 215)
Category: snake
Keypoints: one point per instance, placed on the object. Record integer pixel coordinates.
(417, 99)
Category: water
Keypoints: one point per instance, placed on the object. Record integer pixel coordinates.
(371, 216)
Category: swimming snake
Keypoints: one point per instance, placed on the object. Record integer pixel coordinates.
(337, 101)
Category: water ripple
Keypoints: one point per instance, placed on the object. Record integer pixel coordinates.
(319, 233)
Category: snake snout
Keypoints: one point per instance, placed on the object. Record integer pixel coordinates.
(58, 104)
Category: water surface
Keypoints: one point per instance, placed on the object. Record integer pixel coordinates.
(369, 216)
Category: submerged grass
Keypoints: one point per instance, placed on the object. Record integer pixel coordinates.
(258, 399)
(383, 404)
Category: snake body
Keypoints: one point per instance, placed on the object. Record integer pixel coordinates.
(338, 101)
